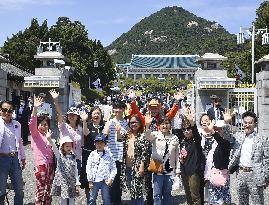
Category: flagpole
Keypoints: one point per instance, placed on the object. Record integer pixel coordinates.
(252, 52)
(252, 32)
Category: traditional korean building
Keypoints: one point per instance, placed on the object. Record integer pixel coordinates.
(11, 81)
(160, 66)
(53, 74)
(212, 79)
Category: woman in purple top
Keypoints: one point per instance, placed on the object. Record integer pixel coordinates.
(43, 154)
(70, 127)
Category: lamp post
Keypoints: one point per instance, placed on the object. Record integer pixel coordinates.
(252, 32)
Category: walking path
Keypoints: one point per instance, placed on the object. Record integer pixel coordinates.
(29, 188)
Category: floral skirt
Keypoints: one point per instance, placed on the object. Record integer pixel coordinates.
(219, 195)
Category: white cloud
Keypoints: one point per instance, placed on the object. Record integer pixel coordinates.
(20, 4)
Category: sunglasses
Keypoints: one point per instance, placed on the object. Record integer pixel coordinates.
(7, 110)
(186, 129)
(134, 122)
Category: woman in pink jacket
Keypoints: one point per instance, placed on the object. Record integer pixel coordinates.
(43, 155)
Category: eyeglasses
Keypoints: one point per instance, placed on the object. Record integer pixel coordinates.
(7, 110)
(186, 129)
(134, 122)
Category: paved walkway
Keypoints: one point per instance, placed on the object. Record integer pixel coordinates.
(29, 189)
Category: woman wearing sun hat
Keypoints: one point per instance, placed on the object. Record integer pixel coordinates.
(71, 127)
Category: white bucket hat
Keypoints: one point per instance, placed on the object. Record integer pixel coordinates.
(64, 140)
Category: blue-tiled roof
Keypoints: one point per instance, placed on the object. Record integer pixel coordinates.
(164, 61)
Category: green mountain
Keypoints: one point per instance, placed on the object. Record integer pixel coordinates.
(172, 30)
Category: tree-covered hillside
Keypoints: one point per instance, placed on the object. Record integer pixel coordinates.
(172, 30)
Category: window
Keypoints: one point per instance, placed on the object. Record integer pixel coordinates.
(211, 65)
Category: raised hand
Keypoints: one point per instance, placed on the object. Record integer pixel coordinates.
(118, 127)
(84, 116)
(227, 115)
(54, 94)
(132, 95)
(48, 135)
(210, 127)
(190, 115)
(148, 119)
(38, 101)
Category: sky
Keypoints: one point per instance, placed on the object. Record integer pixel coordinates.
(106, 20)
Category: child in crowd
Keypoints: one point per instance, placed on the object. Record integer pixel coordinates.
(43, 154)
(66, 181)
(69, 127)
(101, 171)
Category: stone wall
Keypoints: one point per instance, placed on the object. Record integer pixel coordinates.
(3, 84)
(47, 72)
(262, 85)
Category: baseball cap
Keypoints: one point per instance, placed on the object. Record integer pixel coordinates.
(215, 97)
(100, 137)
(154, 103)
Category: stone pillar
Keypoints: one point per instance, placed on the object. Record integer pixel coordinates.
(262, 85)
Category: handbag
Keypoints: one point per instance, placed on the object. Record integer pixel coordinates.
(218, 177)
(155, 166)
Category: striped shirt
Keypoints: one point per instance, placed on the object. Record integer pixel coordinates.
(115, 147)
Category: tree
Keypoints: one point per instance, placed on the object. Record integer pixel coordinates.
(77, 47)
(262, 21)
(21, 47)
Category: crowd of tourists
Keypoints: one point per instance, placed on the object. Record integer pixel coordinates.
(140, 145)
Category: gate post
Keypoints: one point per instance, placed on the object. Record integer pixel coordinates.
(262, 85)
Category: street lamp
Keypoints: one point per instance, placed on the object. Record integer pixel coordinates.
(252, 32)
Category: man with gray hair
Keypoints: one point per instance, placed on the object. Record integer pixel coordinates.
(250, 159)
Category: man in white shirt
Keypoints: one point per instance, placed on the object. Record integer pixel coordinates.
(250, 159)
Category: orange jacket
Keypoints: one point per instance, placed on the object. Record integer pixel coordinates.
(170, 114)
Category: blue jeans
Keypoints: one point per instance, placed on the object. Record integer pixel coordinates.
(137, 201)
(162, 188)
(94, 192)
(10, 166)
(115, 190)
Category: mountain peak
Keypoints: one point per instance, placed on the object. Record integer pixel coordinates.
(172, 30)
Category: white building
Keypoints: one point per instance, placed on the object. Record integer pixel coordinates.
(162, 66)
